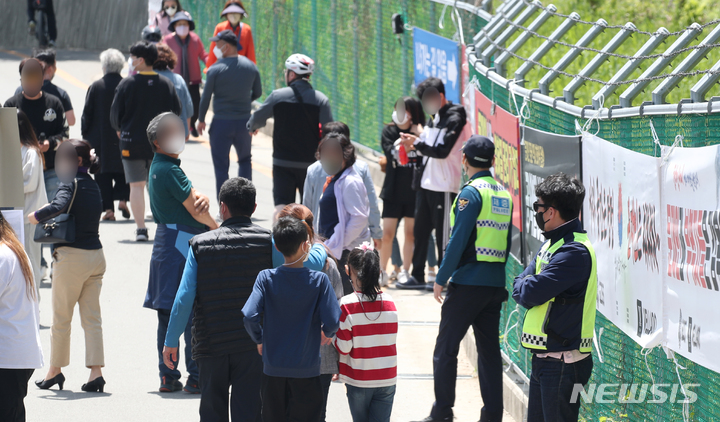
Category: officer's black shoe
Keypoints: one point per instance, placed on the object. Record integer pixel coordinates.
(411, 284)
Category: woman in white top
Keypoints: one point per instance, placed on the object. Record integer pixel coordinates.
(20, 351)
(34, 184)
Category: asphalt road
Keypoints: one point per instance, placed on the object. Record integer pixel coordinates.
(130, 330)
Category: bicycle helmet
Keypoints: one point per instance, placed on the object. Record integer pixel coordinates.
(151, 33)
(300, 64)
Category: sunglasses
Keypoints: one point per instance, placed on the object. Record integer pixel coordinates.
(537, 206)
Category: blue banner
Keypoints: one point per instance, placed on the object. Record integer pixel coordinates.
(437, 56)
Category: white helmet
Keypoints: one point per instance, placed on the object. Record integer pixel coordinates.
(300, 64)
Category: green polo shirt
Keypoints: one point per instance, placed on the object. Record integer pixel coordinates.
(169, 187)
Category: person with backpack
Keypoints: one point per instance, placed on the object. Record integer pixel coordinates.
(300, 112)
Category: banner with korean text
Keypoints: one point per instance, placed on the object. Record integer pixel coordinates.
(622, 217)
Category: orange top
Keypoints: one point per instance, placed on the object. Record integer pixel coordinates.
(246, 42)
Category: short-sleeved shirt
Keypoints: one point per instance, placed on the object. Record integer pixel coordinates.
(169, 187)
(55, 90)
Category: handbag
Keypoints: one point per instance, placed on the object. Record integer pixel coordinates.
(60, 229)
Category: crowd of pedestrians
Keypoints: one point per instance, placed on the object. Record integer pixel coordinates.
(274, 316)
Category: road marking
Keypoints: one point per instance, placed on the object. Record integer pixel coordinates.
(61, 73)
(427, 377)
(420, 323)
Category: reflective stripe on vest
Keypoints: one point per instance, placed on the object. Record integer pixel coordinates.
(493, 222)
(535, 334)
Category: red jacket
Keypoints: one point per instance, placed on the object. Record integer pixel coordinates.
(196, 53)
(246, 41)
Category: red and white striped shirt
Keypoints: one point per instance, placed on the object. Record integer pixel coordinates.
(366, 341)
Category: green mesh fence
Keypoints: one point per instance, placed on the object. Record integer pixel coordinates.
(363, 68)
(360, 65)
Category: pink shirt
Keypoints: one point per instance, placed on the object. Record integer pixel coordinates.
(196, 54)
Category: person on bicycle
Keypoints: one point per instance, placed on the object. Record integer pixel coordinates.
(47, 7)
(299, 111)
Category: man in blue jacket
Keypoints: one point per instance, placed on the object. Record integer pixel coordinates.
(475, 259)
(559, 289)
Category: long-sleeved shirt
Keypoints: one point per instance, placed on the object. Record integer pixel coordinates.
(315, 180)
(235, 84)
(245, 39)
(459, 260)
(195, 54)
(366, 341)
(183, 304)
(285, 313)
(315, 260)
(183, 95)
(86, 208)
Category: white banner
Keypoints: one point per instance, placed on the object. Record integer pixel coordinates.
(691, 242)
(622, 219)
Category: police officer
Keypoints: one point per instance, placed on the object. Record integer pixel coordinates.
(559, 289)
(475, 259)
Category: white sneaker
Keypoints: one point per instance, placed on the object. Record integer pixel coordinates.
(431, 277)
(384, 279)
(402, 277)
(393, 276)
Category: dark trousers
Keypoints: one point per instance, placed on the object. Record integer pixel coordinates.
(50, 12)
(431, 212)
(291, 399)
(325, 382)
(119, 191)
(243, 372)
(168, 375)
(286, 182)
(13, 389)
(346, 282)
(225, 134)
(551, 385)
(479, 307)
(195, 98)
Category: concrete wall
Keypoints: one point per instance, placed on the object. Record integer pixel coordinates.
(82, 24)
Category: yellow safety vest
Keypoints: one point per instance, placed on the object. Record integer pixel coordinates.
(535, 327)
(494, 219)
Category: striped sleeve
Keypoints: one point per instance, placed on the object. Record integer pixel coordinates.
(344, 340)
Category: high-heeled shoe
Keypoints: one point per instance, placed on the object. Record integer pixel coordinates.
(58, 379)
(95, 386)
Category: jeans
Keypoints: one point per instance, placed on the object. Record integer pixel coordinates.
(168, 375)
(13, 389)
(51, 184)
(479, 307)
(370, 404)
(225, 134)
(243, 372)
(551, 385)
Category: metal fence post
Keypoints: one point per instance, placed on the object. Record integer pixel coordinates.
(658, 65)
(356, 72)
(296, 25)
(379, 70)
(534, 26)
(406, 47)
(509, 31)
(333, 51)
(698, 91)
(490, 33)
(433, 18)
(658, 38)
(571, 55)
(668, 84)
(313, 7)
(275, 43)
(538, 54)
(578, 81)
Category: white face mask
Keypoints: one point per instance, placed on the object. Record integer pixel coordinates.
(182, 30)
(218, 52)
(234, 18)
(304, 257)
(174, 145)
(131, 66)
(398, 121)
(171, 10)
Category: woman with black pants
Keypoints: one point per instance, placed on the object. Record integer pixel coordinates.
(78, 266)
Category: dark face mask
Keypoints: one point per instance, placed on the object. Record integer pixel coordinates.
(540, 220)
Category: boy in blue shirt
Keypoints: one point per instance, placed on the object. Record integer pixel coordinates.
(288, 310)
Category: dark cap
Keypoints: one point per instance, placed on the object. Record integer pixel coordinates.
(480, 151)
(227, 35)
(181, 16)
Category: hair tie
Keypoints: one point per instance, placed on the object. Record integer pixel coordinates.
(366, 246)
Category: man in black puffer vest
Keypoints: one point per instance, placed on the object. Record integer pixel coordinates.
(219, 275)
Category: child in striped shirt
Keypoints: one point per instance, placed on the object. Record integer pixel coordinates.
(366, 340)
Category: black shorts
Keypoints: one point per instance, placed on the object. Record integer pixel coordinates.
(398, 210)
(286, 181)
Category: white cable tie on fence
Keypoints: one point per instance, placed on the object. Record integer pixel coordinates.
(678, 141)
(656, 139)
(645, 351)
(473, 82)
(588, 124)
(458, 23)
(686, 401)
(507, 330)
(442, 18)
(596, 342)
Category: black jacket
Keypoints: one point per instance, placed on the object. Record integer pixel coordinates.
(86, 208)
(229, 260)
(96, 127)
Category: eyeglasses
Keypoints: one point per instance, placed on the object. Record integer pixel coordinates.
(537, 205)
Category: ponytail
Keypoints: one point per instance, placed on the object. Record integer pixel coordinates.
(365, 262)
